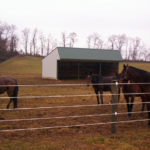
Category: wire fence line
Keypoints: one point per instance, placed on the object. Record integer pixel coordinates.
(78, 125)
(75, 116)
(74, 106)
(72, 84)
(70, 106)
(80, 95)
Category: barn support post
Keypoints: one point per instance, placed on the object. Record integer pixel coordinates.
(100, 71)
(114, 100)
(78, 71)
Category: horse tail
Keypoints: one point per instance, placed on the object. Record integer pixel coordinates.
(15, 94)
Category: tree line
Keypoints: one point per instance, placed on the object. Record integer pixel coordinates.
(35, 42)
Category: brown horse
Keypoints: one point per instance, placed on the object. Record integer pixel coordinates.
(100, 84)
(143, 78)
(129, 90)
(10, 86)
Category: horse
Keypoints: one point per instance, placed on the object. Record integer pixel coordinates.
(129, 97)
(100, 84)
(9, 85)
(138, 76)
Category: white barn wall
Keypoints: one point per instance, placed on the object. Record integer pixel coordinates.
(49, 65)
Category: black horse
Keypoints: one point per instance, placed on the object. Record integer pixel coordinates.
(139, 76)
(10, 86)
(129, 90)
(100, 84)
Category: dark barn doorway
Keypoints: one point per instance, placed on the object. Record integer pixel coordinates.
(78, 69)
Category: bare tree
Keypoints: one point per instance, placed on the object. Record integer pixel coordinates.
(7, 34)
(120, 41)
(48, 45)
(99, 44)
(54, 44)
(13, 43)
(34, 40)
(13, 38)
(96, 40)
(135, 48)
(42, 41)
(64, 39)
(4, 30)
(25, 37)
(112, 41)
(89, 39)
(73, 38)
(31, 47)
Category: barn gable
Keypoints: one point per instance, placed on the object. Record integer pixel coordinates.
(69, 63)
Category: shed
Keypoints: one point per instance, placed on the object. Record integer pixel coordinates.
(75, 63)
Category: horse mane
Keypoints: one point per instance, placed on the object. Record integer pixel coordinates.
(144, 74)
(139, 70)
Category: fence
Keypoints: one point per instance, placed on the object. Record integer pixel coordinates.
(114, 105)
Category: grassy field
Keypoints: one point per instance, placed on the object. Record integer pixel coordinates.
(27, 70)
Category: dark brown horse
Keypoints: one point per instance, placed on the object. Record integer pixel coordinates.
(129, 90)
(143, 78)
(100, 84)
(10, 86)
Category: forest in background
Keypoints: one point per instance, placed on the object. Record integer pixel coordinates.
(36, 43)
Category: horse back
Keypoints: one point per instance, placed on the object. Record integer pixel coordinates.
(5, 82)
(8, 81)
(107, 83)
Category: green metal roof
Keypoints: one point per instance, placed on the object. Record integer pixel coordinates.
(66, 53)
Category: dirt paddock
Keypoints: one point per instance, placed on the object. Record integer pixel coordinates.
(129, 135)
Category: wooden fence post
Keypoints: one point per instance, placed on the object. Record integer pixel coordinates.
(114, 100)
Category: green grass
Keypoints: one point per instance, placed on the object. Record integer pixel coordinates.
(27, 70)
(27, 65)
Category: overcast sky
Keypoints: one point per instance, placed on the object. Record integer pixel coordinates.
(84, 17)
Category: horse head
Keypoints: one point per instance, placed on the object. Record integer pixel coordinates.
(88, 79)
(92, 79)
(124, 75)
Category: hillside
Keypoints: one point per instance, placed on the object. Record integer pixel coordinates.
(21, 65)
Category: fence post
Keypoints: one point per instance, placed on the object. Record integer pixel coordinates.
(114, 100)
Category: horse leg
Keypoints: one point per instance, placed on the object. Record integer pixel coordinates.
(118, 94)
(97, 96)
(101, 95)
(128, 105)
(15, 94)
(148, 108)
(131, 105)
(15, 102)
(9, 103)
(143, 106)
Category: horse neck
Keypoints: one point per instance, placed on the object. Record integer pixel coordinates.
(139, 76)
